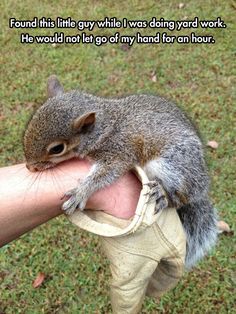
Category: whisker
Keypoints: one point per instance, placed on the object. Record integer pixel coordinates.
(22, 168)
(58, 188)
(65, 173)
(29, 186)
(38, 181)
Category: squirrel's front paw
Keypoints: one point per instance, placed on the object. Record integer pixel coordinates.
(74, 202)
(157, 193)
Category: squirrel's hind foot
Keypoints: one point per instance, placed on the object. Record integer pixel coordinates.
(157, 193)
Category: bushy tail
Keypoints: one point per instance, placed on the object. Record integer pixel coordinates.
(200, 224)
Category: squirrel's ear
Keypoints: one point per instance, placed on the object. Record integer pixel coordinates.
(84, 122)
(54, 87)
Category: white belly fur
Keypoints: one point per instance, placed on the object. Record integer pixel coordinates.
(158, 168)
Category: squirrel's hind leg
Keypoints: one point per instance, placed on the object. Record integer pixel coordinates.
(157, 194)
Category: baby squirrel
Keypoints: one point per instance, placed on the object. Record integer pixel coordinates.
(117, 134)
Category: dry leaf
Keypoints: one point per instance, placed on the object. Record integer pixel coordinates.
(233, 5)
(113, 52)
(153, 76)
(213, 144)
(125, 47)
(181, 5)
(113, 78)
(39, 280)
(223, 227)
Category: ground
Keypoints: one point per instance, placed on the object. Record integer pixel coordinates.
(199, 78)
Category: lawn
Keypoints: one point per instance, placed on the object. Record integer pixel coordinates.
(200, 78)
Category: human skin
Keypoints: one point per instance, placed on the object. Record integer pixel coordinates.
(30, 199)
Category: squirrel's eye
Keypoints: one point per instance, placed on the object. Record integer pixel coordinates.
(57, 149)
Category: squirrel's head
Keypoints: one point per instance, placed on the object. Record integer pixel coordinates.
(54, 131)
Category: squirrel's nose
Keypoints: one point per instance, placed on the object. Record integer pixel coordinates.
(31, 168)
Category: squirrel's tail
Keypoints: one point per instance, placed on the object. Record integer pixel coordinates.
(200, 224)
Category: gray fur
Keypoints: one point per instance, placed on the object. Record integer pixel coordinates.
(144, 130)
(54, 87)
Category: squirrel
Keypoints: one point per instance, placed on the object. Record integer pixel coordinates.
(145, 130)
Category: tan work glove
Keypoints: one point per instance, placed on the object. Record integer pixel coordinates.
(146, 253)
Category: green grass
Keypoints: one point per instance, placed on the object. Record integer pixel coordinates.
(200, 78)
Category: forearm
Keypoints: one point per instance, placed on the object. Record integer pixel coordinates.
(30, 199)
